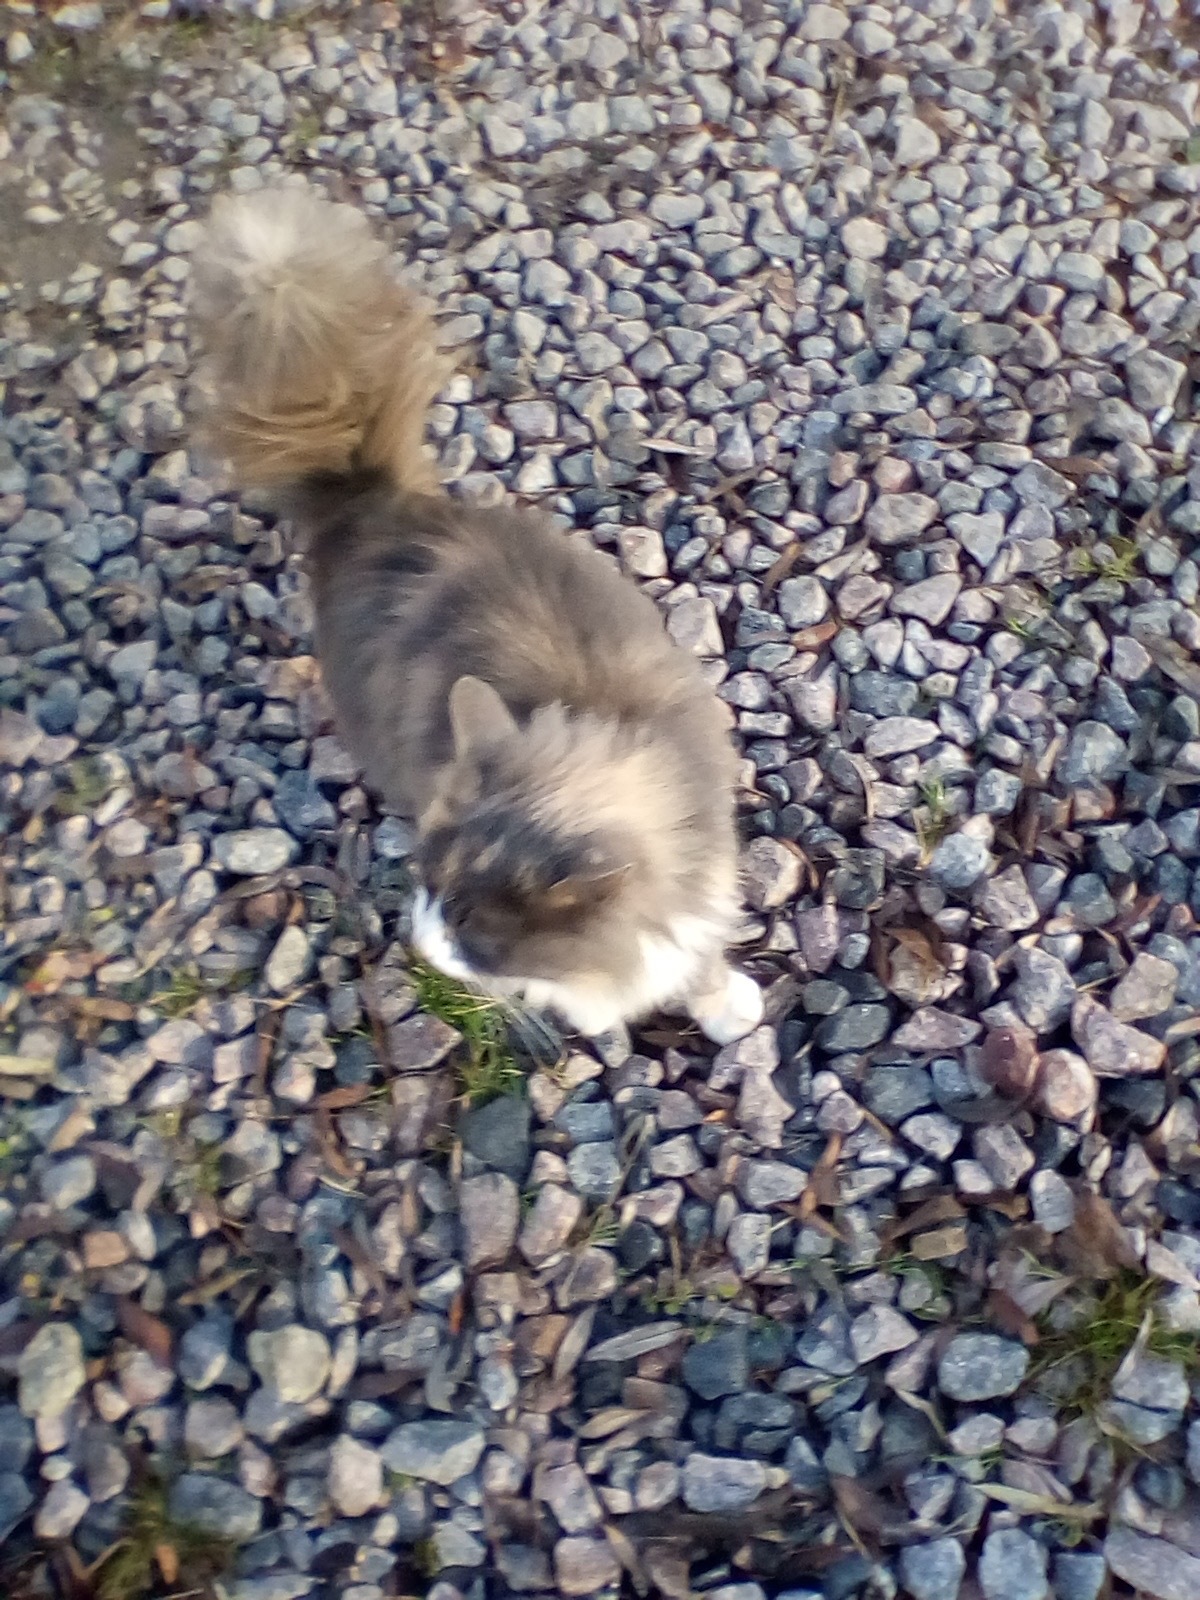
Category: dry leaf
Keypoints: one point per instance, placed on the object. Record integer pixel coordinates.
(823, 1188)
(609, 1421)
(625, 1553)
(915, 972)
(1009, 1061)
(168, 1563)
(25, 1067)
(574, 1343)
(62, 966)
(1171, 659)
(147, 1331)
(939, 1244)
(344, 1096)
(1010, 1319)
(812, 638)
(1095, 1245)
(779, 570)
(940, 1208)
(1034, 1478)
(669, 447)
(1022, 1278)
(866, 1515)
(1040, 1505)
(100, 1008)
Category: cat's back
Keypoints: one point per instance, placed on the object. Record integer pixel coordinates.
(413, 591)
(540, 613)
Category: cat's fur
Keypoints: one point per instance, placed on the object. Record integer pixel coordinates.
(569, 771)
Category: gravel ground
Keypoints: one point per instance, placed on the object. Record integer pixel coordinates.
(863, 336)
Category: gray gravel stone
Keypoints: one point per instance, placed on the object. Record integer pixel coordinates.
(959, 861)
(1012, 1566)
(50, 1371)
(61, 1511)
(355, 1477)
(981, 1366)
(1093, 754)
(933, 1570)
(293, 1361)
(213, 1506)
(717, 1366)
(855, 1028)
(490, 1213)
(254, 851)
(716, 1484)
(15, 1500)
(434, 1451)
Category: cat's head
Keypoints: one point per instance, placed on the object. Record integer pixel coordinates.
(521, 880)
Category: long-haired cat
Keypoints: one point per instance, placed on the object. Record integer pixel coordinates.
(568, 770)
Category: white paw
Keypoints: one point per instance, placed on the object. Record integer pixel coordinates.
(738, 1012)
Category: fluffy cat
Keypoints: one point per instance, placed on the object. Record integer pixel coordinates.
(568, 770)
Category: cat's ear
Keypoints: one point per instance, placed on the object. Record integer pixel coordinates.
(586, 888)
(478, 716)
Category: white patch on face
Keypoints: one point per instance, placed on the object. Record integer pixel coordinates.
(433, 939)
(670, 968)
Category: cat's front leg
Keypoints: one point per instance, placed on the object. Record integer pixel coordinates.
(727, 1006)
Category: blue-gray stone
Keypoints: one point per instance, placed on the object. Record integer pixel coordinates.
(718, 1366)
(1012, 1566)
(981, 1366)
(300, 805)
(224, 1510)
(854, 1028)
(933, 1570)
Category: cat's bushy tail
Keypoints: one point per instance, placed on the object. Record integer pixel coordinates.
(319, 363)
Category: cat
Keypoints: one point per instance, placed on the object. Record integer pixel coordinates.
(569, 771)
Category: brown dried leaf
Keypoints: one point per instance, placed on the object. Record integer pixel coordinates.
(575, 1342)
(779, 570)
(1039, 1505)
(609, 1421)
(100, 1008)
(145, 1330)
(1171, 659)
(1010, 1319)
(167, 1559)
(940, 1208)
(1078, 466)
(915, 971)
(812, 638)
(939, 1244)
(359, 1256)
(1095, 1245)
(62, 966)
(344, 1096)
(669, 447)
(1020, 1275)
(331, 1148)
(213, 1288)
(625, 1553)
(1009, 1061)
(865, 1514)
(823, 1187)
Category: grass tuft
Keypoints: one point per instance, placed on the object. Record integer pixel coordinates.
(933, 817)
(1078, 1362)
(156, 1550)
(487, 1067)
